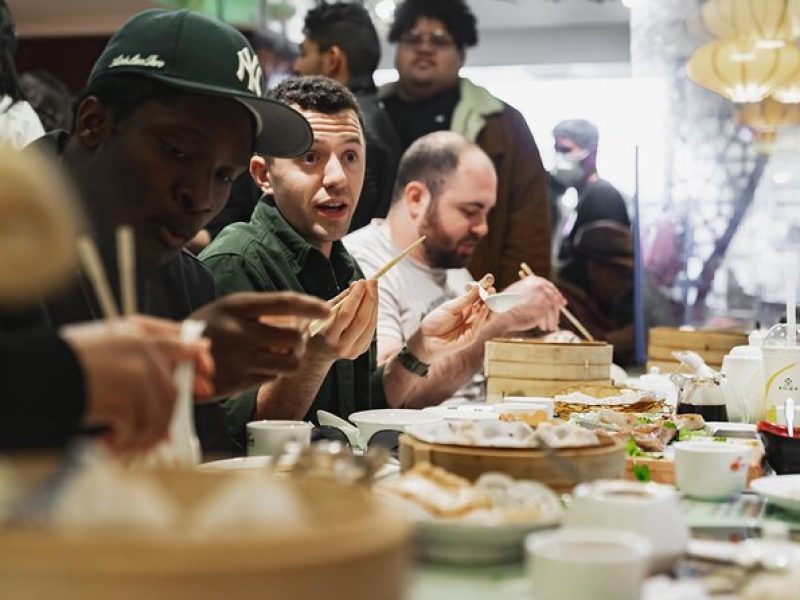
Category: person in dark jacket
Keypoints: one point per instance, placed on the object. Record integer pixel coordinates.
(170, 117)
(432, 37)
(576, 167)
(341, 43)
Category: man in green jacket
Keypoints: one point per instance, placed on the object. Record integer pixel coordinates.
(293, 242)
(431, 38)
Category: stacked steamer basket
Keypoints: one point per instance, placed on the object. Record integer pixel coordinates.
(524, 367)
(350, 542)
(711, 345)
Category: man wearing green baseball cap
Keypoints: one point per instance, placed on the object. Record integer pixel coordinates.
(170, 117)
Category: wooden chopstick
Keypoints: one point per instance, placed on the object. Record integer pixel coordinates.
(526, 271)
(319, 324)
(126, 262)
(93, 266)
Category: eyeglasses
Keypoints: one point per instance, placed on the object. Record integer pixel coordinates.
(438, 39)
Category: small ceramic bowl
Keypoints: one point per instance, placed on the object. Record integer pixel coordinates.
(782, 451)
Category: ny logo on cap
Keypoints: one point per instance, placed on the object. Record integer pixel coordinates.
(248, 66)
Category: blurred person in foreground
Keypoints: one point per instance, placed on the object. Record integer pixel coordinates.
(19, 124)
(576, 167)
(598, 285)
(170, 117)
(294, 242)
(341, 43)
(114, 375)
(432, 37)
(446, 188)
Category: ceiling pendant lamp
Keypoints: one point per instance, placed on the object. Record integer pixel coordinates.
(766, 117)
(741, 71)
(771, 22)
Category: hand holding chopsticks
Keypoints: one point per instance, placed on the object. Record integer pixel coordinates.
(316, 326)
(526, 271)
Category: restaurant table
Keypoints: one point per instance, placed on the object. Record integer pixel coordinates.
(734, 520)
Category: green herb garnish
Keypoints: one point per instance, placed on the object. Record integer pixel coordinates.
(669, 425)
(641, 472)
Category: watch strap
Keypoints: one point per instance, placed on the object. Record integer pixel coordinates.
(406, 358)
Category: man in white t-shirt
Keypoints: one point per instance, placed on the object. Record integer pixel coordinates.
(444, 190)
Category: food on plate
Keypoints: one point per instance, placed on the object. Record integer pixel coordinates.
(495, 498)
(439, 492)
(589, 398)
(567, 435)
(531, 417)
(507, 434)
(690, 422)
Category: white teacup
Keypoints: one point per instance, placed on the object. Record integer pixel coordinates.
(650, 509)
(711, 470)
(587, 564)
(267, 438)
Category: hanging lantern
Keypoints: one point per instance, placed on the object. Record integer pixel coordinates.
(741, 71)
(767, 116)
(789, 91)
(771, 22)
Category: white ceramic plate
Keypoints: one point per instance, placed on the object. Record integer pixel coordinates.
(783, 490)
(460, 543)
(471, 412)
(237, 464)
(738, 429)
(482, 433)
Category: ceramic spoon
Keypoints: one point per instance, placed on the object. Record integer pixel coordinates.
(499, 303)
(351, 431)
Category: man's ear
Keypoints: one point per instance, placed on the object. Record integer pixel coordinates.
(417, 198)
(93, 121)
(259, 173)
(334, 64)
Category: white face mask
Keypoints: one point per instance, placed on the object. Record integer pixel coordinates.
(567, 168)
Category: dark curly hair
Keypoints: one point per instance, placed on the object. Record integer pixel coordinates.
(9, 81)
(349, 27)
(454, 14)
(316, 93)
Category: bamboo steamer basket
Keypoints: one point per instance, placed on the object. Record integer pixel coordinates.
(354, 548)
(711, 345)
(599, 462)
(498, 388)
(525, 367)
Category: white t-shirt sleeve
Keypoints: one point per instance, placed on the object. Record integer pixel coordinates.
(372, 251)
(19, 123)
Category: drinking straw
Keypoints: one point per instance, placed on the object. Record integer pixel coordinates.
(791, 300)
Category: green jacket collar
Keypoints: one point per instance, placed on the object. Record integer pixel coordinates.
(469, 116)
(296, 250)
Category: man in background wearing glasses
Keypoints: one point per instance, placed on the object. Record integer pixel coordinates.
(431, 37)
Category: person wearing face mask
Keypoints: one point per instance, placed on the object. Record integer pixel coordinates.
(575, 166)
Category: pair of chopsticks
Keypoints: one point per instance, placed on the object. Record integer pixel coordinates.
(126, 262)
(526, 271)
(319, 324)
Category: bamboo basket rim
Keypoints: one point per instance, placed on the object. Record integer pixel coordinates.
(496, 452)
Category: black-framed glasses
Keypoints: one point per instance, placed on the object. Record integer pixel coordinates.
(438, 39)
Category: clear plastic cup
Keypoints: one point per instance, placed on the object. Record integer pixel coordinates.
(781, 367)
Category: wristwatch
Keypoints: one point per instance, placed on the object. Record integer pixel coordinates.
(412, 363)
